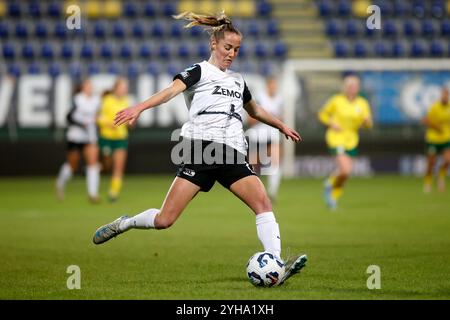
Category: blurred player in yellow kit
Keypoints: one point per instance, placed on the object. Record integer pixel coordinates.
(437, 138)
(344, 114)
(114, 140)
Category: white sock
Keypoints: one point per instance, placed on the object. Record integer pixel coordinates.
(64, 175)
(274, 180)
(93, 180)
(268, 232)
(143, 220)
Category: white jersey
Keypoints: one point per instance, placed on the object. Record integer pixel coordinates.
(261, 131)
(215, 101)
(82, 119)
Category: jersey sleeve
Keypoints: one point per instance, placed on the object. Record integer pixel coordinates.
(190, 76)
(247, 96)
(325, 114)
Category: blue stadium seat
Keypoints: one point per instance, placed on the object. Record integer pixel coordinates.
(164, 51)
(27, 51)
(118, 30)
(263, 8)
(153, 68)
(340, 49)
(149, 9)
(157, 30)
(47, 51)
(169, 9)
(87, 51)
(437, 49)
(14, 10)
(195, 31)
(34, 9)
(260, 50)
(9, 52)
(409, 28)
(344, 8)
(113, 68)
(173, 69)
(280, 50)
(266, 68)
(243, 50)
(428, 28)
(34, 68)
(381, 49)
(253, 28)
(418, 49)
(401, 8)
(333, 28)
(390, 28)
(419, 8)
(4, 30)
(66, 51)
(99, 29)
(326, 9)
(399, 49)
(60, 30)
(106, 50)
(438, 9)
(54, 70)
(352, 27)
(273, 28)
(360, 49)
(445, 27)
(93, 68)
(145, 51)
(21, 30)
(386, 8)
(14, 70)
(203, 51)
(54, 9)
(129, 9)
(176, 30)
(138, 30)
(40, 30)
(126, 51)
(183, 50)
(133, 70)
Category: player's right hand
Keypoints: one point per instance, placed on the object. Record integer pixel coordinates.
(128, 115)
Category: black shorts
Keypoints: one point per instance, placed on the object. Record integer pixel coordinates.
(75, 146)
(218, 162)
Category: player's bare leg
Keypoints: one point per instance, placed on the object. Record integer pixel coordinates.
(442, 174)
(178, 197)
(428, 178)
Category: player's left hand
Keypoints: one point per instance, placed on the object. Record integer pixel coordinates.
(291, 133)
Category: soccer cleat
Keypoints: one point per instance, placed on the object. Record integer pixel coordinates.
(108, 231)
(293, 266)
(331, 203)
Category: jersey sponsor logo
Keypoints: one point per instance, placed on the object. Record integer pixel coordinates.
(226, 92)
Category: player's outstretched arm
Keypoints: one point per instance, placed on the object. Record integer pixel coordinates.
(131, 114)
(255, 111)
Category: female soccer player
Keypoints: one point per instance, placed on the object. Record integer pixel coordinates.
(267, 137)
(82, 138)
(113, 139)
(215, 96)
(344, 114)
(437, 140)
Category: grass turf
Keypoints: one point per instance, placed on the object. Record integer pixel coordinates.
(384, 221)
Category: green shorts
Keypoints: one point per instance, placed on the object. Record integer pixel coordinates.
(340, 150)
(107, 146)
(436, 148)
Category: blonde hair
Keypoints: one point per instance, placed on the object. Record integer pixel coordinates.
(216, 25)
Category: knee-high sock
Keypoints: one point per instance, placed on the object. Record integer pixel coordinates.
(116, 185)
(64, 175)
(93, 180)
(274, 180)
(268, 232)
(143, 220)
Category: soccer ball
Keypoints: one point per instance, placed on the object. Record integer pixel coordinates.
(265, 270)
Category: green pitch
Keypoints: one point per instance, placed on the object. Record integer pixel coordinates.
(383, 221)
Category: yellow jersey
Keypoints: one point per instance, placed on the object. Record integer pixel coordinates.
(349, 116)
(439, 115)
(110, 106)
